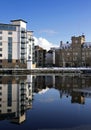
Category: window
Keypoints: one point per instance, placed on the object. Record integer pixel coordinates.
(29, 92)
(0, 49)
(10, 33)
(7, 27)
(9, 102)
(0, 61)
(29, 49)
(9, 110)
(9, 49)
(0, 43)
(0, 38)
(0, 55)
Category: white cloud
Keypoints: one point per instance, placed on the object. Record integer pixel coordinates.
(43, 91)
(44, 43)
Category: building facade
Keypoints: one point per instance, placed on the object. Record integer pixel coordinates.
(14, 44)
(30, 50)
(40, 56)
(49, 59)
(74, 54)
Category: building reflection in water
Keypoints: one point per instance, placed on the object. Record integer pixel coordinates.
(16, 92)
(15, 97)
(78, 88)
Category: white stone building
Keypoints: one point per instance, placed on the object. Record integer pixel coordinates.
(16, 44)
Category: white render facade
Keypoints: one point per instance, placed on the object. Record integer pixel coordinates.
(14, 45)
(30, 50)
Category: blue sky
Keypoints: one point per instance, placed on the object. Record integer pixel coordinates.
(51, 20)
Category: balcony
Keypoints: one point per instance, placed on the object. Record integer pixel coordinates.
(23, 51)
(23, 31)
(23, 57)
(23, 35)
(23, 46)
(23, 41)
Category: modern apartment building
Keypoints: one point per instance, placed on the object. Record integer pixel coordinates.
(16, 44)
(74, 54)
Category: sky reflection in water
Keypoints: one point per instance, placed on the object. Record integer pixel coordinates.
(45, 102)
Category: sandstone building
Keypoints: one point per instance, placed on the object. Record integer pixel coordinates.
(74, 54)
(16, 45)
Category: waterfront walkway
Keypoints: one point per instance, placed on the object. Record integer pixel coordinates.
(48, 70)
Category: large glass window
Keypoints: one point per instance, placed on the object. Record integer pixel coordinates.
(10, 33)
(7, 27)
(9, 103)
(9, 49)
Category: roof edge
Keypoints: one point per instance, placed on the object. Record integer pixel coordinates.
(19, 20)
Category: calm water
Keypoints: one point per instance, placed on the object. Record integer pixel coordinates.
(45, 102)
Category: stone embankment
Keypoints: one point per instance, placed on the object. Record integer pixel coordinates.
(70, 70)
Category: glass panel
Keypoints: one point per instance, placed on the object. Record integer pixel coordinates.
(7, 27)
(9, 49)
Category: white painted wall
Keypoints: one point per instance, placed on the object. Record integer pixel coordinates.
(4, 45)
(21, 23)
(29, 51)
(15, 45)
(16, 42)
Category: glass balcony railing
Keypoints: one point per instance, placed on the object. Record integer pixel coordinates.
(23, 46)
(23, 35)
(23, 41)
(23, 51)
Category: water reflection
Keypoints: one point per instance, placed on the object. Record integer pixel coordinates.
(17, 93)
(15, 97)
(76, 87)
